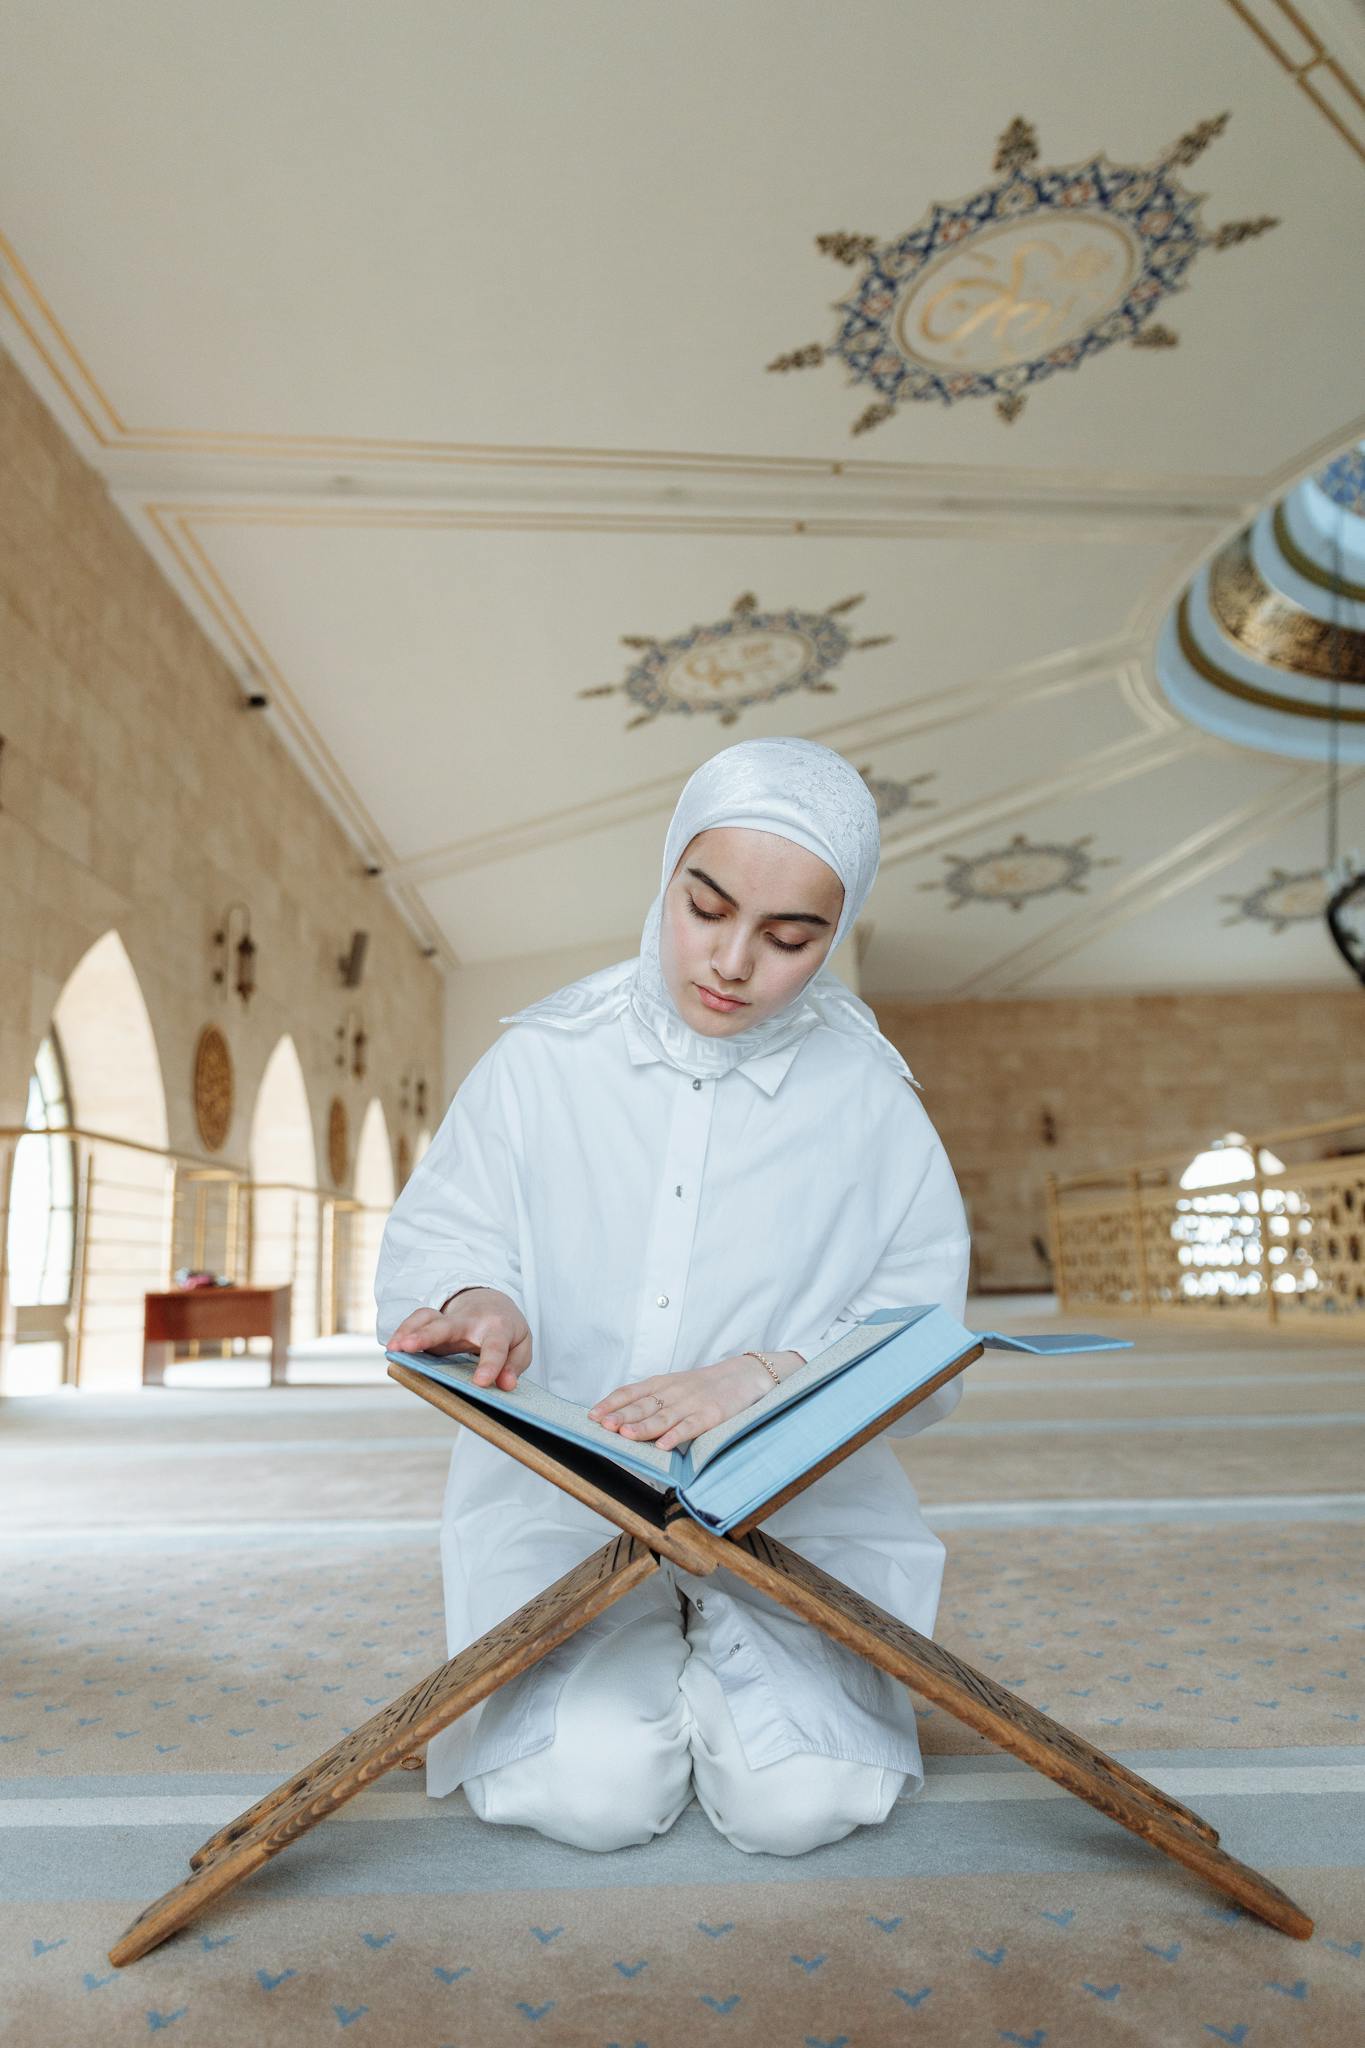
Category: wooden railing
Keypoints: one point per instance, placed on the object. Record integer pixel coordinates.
(1281, 1245)
(143, 1211)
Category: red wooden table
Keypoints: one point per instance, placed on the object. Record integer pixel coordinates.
(206, 1315)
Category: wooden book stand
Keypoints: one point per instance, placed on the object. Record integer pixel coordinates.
(653, 1526)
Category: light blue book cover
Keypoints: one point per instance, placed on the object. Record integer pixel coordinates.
(726, 1474)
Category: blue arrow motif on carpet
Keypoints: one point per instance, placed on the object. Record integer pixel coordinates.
(93, 1983)
(1235, 2035)
(1167, 1955)
(1343, 1948)
(1298, 1989)
(376, 1940)
(726, 1927)
(43, 1948)
(720, 2005)
(347, 2017)
(546, 1934)
(887, 1926)
(269, 1983)
(630, 1969)
(535, 2012)
(157, 2020)
(809, 1963)
(994, 1957)
(1108, 1992)
(1033, 2040)
(452, 1976)
(1062, 1919)
(911, 1998)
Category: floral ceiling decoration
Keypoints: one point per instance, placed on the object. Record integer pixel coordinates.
(1283, 900)
(1017, 873)
(749, 657)
(1033, 273)
(892, 797)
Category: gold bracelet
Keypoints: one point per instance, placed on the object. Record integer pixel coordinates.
(767, 1365)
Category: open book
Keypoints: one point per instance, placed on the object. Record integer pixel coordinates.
(879, 1368)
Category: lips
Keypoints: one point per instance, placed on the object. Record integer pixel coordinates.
(717, 1002)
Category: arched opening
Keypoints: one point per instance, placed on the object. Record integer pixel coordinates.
(41, 1230)
(114, 1091)
(374, 1196)
(1219, 1229)
(282, 1161)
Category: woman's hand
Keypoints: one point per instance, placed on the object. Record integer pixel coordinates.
(674, 1407)
(476, 1319)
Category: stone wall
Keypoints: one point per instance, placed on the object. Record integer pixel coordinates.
(1123, 1077)
(136, 793)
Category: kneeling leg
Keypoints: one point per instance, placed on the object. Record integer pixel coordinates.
(783, 1808)
(619, 1770)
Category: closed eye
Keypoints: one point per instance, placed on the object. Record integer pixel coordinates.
(783, 945)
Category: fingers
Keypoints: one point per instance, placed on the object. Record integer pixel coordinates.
(408, 1336)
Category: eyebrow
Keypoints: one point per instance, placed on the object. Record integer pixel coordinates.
(769, 916)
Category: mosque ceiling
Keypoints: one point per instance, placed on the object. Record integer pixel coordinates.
(429, 361)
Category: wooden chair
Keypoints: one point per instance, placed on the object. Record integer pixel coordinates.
(653, 1527)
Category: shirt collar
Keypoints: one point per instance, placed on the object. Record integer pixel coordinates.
(766, 1070)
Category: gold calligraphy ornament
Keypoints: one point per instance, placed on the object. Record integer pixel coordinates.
(1029, 275)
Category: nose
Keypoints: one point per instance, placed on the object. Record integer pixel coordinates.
(731, 959)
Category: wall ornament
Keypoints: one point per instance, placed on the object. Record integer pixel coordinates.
(212, 1088)
(338, 1142)
(748, 657)
(1036, 272)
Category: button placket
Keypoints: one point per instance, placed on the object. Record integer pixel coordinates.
(668, 1253)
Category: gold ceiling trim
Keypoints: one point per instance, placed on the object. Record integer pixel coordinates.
(1233, 686)
(1271, 629)
(1302, 72)
(1338, 586)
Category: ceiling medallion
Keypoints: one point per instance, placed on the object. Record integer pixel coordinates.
(750, 657)
(1284, 900)
(1016, 873)
(1034, 273)
(892, 797)
(212, 1088)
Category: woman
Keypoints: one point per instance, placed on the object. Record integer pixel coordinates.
(668, 1185)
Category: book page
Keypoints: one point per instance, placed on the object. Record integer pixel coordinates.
(856, 1344)
(550, 1412)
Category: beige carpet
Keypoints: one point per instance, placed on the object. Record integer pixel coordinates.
(1165, 1549)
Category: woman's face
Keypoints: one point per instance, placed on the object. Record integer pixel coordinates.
(748, 916)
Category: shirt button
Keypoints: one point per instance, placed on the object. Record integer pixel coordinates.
(696, 1084)
(662, 1300)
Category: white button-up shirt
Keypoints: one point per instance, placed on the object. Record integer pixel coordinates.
(646, 1222)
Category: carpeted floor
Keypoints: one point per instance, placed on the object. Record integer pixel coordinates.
(203, 1588)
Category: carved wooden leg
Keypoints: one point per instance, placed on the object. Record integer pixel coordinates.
(977, 1700)
(389, 1736)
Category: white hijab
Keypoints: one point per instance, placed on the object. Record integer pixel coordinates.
(800, 791)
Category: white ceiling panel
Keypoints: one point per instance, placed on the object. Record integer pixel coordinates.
(593, 226)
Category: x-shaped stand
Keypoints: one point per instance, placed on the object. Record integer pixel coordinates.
(653, 1528)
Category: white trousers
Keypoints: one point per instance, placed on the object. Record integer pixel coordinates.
(641, 1724)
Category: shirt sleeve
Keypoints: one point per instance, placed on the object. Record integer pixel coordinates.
(455, 1223)
(925, 1260)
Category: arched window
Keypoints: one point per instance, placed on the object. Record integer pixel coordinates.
(42, 1216)
(1218, 1226)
